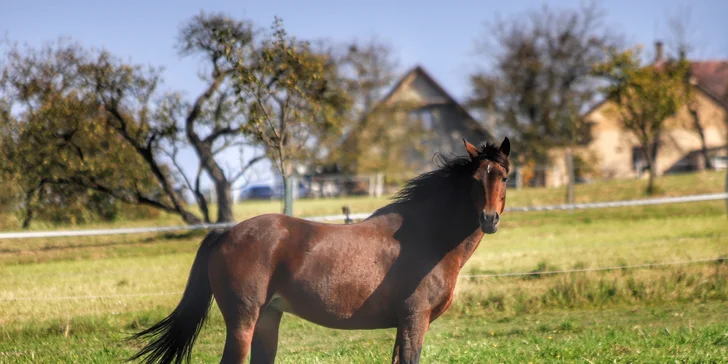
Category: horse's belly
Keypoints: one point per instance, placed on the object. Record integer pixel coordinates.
(344, 300)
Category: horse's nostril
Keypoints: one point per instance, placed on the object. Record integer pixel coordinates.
(489, 218)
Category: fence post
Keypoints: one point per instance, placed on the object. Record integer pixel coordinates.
(571, 178)
(346, 210)
(372, 187)
(288, 195)
(380, 184)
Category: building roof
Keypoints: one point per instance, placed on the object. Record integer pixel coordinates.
(445, 98)
(420, 71)
(713, 76)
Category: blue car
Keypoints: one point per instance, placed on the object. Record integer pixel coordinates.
(260, 192)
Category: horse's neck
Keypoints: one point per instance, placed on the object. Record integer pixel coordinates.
(450, 223)
(466, 248)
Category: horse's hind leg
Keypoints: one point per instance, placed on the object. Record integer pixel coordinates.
(240, 318)
(265, 338)
(240, 302)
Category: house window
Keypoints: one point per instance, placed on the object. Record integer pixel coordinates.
(587, 135)
(428, 120)
(424, 117)
(639, 164)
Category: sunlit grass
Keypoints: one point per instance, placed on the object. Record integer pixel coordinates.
(642, 315)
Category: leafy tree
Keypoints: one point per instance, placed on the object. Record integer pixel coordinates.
(54, 143)
(124, 100)
(292, 97)
(539, 80)
(643, 97)
(128, 96)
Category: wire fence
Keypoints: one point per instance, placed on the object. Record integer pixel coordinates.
(358, 216)
(595, 205)
(595, 269)
(570, 248)
(720, 260)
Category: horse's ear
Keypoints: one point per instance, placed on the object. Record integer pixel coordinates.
(472, 150)
(505, 147)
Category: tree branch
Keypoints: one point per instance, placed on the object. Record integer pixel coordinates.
(218, 133)
(202, 202)
(197, 106)
(246, 168)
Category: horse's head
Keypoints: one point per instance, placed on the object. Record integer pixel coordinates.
(489, 187)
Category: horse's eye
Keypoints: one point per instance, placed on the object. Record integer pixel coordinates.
(505, 179)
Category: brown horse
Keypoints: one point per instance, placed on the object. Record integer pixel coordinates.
(397, 268)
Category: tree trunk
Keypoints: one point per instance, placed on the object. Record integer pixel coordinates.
(201, 201)
(202, 204)
(288, 195)
(28, 208)
(649, 151)
(174, 197)
(223, 188)
(726, 191)
(571, 182)
(224, 201)
(704, 147)
(652, 161)
(203, 148)
(28, 217)
(651, 180)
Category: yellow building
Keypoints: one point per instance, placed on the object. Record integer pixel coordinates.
(613, 151)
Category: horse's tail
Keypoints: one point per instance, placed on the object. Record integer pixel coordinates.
(174, 336)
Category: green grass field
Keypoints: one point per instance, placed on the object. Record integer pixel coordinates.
(666, 314)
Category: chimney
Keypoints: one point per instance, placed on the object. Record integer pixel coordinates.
(659, 53)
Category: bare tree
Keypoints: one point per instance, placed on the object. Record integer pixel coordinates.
(368, 68)
(539, 81)
(683, 43)
(215, 112)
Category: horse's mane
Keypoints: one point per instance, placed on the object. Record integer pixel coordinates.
(450, 169)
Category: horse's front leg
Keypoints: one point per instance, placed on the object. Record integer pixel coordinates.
(395, 352)
(410, 337)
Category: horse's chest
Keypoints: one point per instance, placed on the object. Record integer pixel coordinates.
(440, 308)
(437, 290)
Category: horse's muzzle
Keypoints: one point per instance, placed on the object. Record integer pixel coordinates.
(489, 222)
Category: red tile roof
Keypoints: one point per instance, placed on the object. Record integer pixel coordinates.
(713, 76)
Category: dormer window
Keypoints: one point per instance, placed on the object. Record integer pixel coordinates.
(424, 117)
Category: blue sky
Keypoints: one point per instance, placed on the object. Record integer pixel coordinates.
(440, 37)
